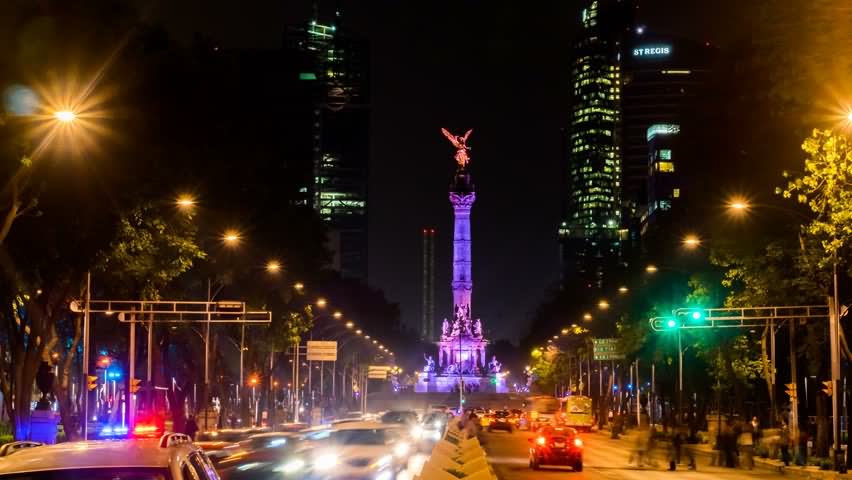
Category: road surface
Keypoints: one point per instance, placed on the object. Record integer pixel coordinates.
(603, 459)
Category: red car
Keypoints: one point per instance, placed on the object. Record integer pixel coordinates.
(556, 446)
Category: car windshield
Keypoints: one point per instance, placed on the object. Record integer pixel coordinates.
(119, 473)
(399, 417)
(367, 436)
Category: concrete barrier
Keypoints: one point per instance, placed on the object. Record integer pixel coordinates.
(457, 456)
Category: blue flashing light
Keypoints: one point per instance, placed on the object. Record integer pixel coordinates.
(114, 375)
(615, 387)
(630, 386)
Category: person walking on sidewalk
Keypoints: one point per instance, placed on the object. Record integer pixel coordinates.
(784, 443)
(746, 443)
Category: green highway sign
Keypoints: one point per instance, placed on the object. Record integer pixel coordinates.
(606, 349)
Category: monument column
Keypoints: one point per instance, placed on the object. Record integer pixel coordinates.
(462, 198)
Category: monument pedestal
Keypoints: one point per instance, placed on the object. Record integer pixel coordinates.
(43, 426)
(431, 383)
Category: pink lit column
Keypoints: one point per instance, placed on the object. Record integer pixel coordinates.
(462, 279)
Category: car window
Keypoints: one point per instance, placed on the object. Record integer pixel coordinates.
(203, 467)
(367, 436)
(187, 472)
(119, 473)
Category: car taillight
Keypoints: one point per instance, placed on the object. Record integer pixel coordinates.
(541, 440)
(578, 443)
(142, 429)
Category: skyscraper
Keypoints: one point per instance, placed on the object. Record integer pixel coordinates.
(427, 321)
(662, 76)
(336, 67)
(591, 230)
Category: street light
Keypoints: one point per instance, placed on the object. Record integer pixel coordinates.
(299, 286)
(587, 317)
(358, 332)
(231, 238)
(337, 315)
(65, 116)
(273, 266)
(603, 304)
(691, 241)
(622, 290)
(321, 302)
(185, 202)
(738, 205)
(565, 331)
(651, 269)
(349, 324)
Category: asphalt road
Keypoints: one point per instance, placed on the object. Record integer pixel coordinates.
(603, 459)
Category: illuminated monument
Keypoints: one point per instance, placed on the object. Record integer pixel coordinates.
(461, 349)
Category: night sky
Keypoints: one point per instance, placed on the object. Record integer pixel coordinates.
(499, 67)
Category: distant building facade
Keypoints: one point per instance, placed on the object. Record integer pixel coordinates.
(590, 234)
(335, 66)
(427, 319)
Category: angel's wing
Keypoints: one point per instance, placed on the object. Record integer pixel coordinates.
(451, 138)
(467, 134)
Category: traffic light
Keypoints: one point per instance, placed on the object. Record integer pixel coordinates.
(829, 387)
(791, 390)
(91, 382)
(134, 385)
(692, 315)
(672, 323)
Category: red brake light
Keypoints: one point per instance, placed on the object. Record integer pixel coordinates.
(142, 429)
(578, 443)
(541, 440)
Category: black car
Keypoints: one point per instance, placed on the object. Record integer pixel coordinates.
(502, 420)
(556, 446)
(404, 417)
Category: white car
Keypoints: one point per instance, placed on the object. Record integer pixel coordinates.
(172, 457)
(360, 450)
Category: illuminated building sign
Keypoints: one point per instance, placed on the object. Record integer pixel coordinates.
(653, 51)
(662, 129)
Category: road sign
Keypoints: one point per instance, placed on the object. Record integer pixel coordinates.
(606, 349)
(322, 351)
(378, 371)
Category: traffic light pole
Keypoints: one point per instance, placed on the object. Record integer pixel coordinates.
(86, 321)
(131, 374)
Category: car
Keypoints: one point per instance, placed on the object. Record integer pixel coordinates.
(405, 417)
(501, 420)
(171, 457)
(556, 446)
(360, 450)
(222, 443)
(431, 429)
(271, 457)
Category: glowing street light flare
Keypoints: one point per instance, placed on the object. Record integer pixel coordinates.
(337, 315)
(358, 332)
(691, 241)
(367, 337)
(622, 290)
(185, 202)
(349, 324)
(321, 302)
(298, 286)
(273, 266)
(375, 342)
(231, 237)
(651, 269)
(603, 304)
(65, 116)
(565, 331)
(587, 317)
(556, 337)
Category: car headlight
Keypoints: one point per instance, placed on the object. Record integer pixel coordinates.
(416, 432)
(385, 475)
(401, 449)
(292, 466)
(325, 461)
(382, 462)
(438, 424)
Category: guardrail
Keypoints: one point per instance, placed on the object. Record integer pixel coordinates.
(457, 456)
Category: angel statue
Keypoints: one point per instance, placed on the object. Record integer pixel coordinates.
(445, 328)
(477, 328)
(461, 146)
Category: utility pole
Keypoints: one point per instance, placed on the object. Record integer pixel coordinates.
(86, 322)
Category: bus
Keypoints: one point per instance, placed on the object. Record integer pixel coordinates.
(578, 412)
(541, 410)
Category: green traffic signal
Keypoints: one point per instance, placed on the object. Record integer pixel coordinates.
(671, 323)
(696, 315)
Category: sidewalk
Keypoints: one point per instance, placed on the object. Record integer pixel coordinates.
(704, 450)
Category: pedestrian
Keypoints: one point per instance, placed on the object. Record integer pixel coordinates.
(784, 443)
(746, 446)
(190, 428)
(802, 458)
(729, 445)
(640, 449)
(677, 444)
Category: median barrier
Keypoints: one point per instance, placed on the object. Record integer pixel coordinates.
(457, 455)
